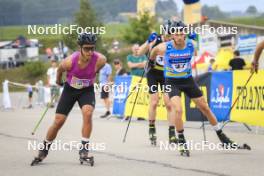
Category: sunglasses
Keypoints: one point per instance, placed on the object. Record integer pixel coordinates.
(116, 63)
(87, 49)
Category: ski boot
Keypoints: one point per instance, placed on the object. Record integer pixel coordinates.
(229, 144)
(152, 135)
(172, 137)
(183, 147)
(42, 154)
(84, 158)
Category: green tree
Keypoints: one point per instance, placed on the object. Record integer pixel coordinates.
(166, 9)
(252, 10)
(213, 12)
(139, 28)
(85, 17)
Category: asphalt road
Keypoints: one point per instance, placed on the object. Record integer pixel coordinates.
(113, 157)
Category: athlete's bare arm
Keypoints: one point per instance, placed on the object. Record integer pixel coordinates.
(259, 49)
(143, 49)
(64, 66)
(101, 61)
(158, 50)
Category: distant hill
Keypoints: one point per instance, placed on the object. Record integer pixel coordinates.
(17, 12)
(252, 21)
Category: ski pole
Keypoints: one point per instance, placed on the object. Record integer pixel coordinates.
(233, 105)
(43, 115)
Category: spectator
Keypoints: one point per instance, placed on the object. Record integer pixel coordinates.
(210, 67)
(40, 92)
(105, 80)
(120, 71)
(51, 80)
(136, 62)
(56, 53)
(30, 95)
(49, 53)
(237, 63)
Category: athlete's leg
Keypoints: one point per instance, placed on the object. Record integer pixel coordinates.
(171, 118)
(86, 102)
(55, 127)
(87, 111)
(196, 95)
(168, 105)
(177, 112)
(153, 104)
(203, 106)
(65, 105)
(174, 94)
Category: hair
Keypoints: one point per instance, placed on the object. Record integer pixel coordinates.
(236, 53)
(117, 61)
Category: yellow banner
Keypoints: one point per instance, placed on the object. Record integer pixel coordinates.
(142, 103)
(146, 5)
(192, 13)
(250, 105)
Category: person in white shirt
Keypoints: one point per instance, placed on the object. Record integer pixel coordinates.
(51, 81)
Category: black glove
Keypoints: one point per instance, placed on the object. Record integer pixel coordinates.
(151, 64)
(60, 83)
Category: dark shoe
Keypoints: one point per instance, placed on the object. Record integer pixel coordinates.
(140, 118)
(106, 114)
(227, 143)
(173, 140)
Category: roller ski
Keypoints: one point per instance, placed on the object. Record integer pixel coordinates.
(229, 144)
(172, 137)
(41, 155)
(152, 135)
(84, 158)
(183, 147)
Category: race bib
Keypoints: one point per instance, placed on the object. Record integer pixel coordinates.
(160, 60)
(179, 67)
(80, 83)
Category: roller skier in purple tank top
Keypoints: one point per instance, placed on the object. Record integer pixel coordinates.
(81, 68)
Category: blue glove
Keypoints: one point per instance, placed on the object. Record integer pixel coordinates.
(152, 37)
(192, 36)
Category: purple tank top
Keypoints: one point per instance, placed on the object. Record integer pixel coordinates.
(82, 77)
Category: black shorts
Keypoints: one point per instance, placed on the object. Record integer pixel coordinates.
(30, 94)
(104, 92)
(186, 85)
(155, 78)
(70, 95)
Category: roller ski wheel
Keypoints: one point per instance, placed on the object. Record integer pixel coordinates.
(88, 160)
(173, 140)
(184, 152)
(35, 161)
(244, 147)
(153, 140)
(152, 135)
(39, 158)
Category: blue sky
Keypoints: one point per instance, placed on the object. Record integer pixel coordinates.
(230, 5)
